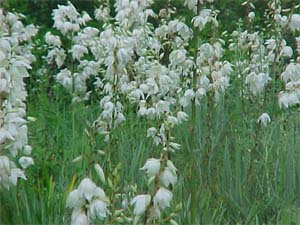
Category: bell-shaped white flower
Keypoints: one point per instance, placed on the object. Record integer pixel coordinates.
(100, 194)
(264, 119)
(87, 187)
(182, 116)
(294, 24)
(25, 162)
(52, 40)
(15, 174)
(75, 199)
(97, 209)
(141, 203)
(4, 164)
(168, 177)
(163, 198)
(78, 51)
(151, 132)
(27, 150)
(152, 167)
(79, 217)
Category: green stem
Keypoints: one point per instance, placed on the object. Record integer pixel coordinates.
(195, 75)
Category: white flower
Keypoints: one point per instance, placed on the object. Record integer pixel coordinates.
(100, 194)
(154, 212)
(27, 149)
(141, 203)
(4, 85)
(251, 16)
(97, 209)
(264, 119)
(52, 40)
(4, 164)
(151, 132)
(287, 51)
(257, 82)
(120, 118)
(171, 166)
(65, 78)
(168, 177)
(182, 116)
(78, 51)
(58, 55)
(294, 24)
(123, 56)
(172, 120)
(203, 18)
(189, 94)
(79, 217)
(75, 199)
(152, 167)
(163, 198)
(291, 72)
(287, 99)
(87, 187)
(15, 174)
(102, 14)
(25, 162)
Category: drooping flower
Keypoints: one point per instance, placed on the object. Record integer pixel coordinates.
(78, 51)
(141, 203)
(52, 40)
(264, 119)
(98, 209)
(25, 162)
(168, 177)
(75, 199)
(79, 217)
(294, 24)
(152, 167)
(163, 198)
(87, 187)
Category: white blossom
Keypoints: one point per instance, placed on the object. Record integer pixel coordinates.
(294, 23)
(163, 198)
(52, 40)
(264, 119)
(140, 203)
(257, 82)
(79, 217)
(15, 60)
(98, 209)
(78, 51)
(75, 199)
(152, 167)
(87, 188)
(168, 177)
(25, 162)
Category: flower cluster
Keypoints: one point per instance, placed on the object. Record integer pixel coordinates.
(88, 203)
(74, 68)
(152, 68)
(291, 77)
(15, 60)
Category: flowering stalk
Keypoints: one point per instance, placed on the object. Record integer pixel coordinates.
(161, 173)
(74, 67)
(15, 60)
(195, 72)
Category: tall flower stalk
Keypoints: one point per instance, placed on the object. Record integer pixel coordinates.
(15, 61)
